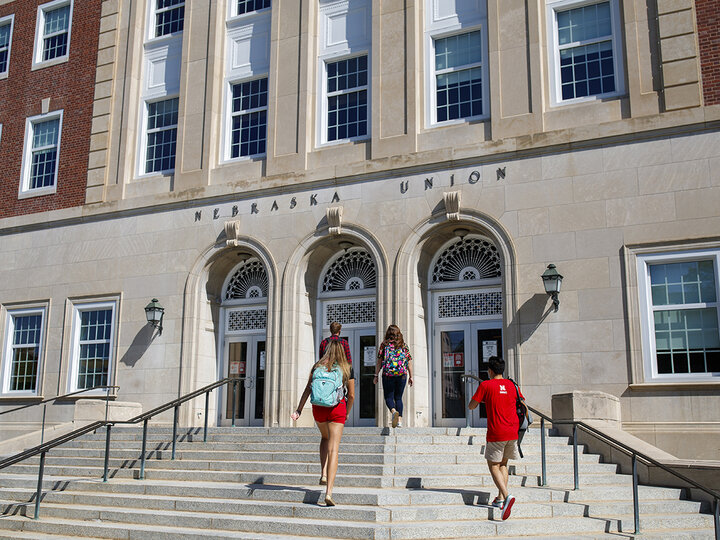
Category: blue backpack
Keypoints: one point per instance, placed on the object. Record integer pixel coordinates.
(326, 389)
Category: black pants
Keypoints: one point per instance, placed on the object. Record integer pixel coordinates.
(393, 388)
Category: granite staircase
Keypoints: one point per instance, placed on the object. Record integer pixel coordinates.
(260, 483)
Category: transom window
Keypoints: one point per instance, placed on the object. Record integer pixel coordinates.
(249, 118)
(467, 259)
(352, 270)
(24, 351)
(5, 38)
(249, 281)
(161, 135)
(94, 347)
(169, 17)
(347, 82)
(248, 6)
(586, 53)
(682, 318)
(458, 76)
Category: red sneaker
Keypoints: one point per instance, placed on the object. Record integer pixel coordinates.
(507, 507)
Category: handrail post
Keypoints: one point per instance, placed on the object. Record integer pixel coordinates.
(175, 423)
(207, 407)
(42, 433)
(542, 452)
(144, 446)
(717, 519)
(38, 493)
(107, 451)
(234, 386)
(575, 458)
(636, 502)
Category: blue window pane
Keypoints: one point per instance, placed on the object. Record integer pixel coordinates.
(249, 126)
(248, 6)
(459, 94)
(347, 112)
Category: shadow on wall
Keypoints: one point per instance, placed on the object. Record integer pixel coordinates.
(140, 344)
(533, 312)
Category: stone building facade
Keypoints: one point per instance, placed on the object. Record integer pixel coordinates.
(263, 168)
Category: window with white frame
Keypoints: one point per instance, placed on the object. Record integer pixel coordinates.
(93, 345)
(347, 98)
(23, 351)
(456, 62)
(459, 76)
(679, 315)
(161, 135)
(169, 17)
(6, 28)
(585, 52)
(41, 155)
(344, 43)
(54, 21)
(248, 6)
(249, 118)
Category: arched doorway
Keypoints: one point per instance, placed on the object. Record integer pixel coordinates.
(466, 299)
(242, 343)
(347, 294)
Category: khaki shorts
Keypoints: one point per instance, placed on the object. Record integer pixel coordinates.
(499, 451)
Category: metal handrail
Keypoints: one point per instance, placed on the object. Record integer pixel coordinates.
(627, 449)
(43, 448)
(48, 400)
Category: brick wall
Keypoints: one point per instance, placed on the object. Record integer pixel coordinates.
(708, 22)
(70, 87)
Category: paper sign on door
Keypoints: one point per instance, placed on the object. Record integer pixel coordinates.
(369, 356)
(262, 360)
(459, 360)
(489, 349)
(234, 368)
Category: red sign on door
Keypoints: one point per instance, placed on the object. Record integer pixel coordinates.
(458, 361)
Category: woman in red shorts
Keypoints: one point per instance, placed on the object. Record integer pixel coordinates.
(330, 420)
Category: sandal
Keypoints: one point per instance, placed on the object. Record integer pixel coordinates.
(323, 481)
(329, 501)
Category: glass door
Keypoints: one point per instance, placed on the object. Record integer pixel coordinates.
(244, 360)
(462, 349)
(363, 352)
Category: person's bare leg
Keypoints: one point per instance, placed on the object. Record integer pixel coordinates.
(498, 478)
(335, 430)
(504, 470)
(324, 443)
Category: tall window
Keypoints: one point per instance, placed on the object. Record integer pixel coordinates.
(249, 118)
(162, 119)
(169, 17)
(248, 6)
(53, 31)
(458, 76)
(347, 87)
(585, 52)
(93, 345)
(24, 351)
(6, 24)
(42, 151)
(680, 293)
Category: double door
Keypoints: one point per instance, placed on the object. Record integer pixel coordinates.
(363, 351)
(245, 360)
(462, 349)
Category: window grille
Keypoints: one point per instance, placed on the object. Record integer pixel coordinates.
(469, 258)
(246, 319)
(350, 312)
(354, 270)
(452, 306)
(250, 280)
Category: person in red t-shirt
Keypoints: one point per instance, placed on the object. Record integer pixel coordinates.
(335, 328)
(499, 396)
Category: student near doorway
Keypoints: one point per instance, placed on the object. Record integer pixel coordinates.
(499, 396)
(335, 328)
(396, 364)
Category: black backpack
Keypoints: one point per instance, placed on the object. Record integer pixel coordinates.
(524, 417)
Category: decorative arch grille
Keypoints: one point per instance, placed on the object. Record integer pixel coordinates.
(470, 258)
(354, 270)
(248, 281)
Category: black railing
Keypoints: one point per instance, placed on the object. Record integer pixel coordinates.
(635, 456)
(43, 448)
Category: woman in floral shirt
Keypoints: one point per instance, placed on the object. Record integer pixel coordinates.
(396, 363)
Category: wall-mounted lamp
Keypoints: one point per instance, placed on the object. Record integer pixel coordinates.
(154, 314)
(552, 281)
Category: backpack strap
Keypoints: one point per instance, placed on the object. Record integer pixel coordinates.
(521, 432)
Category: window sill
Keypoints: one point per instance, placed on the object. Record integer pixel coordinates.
(599, 98)
(3, 75)
(20, 397)
(50, 63)
(37, 192)
(680, 385)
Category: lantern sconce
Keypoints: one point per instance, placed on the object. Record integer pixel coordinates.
(154, 313)
(552, 281)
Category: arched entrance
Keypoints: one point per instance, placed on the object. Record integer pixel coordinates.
(466, 299)
(347, 294)
(242, 343)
